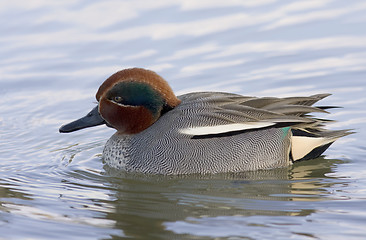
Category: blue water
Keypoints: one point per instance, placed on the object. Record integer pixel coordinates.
(55, 54)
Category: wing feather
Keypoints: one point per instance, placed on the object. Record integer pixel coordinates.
(220, 113)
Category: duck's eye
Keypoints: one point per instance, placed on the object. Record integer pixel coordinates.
(117, 99)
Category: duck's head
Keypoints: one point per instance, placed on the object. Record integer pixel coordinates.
(130, 101)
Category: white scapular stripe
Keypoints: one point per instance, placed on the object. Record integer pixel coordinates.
(225, 128)
(300, 145)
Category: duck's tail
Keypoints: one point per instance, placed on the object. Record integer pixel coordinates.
(311, 144)
(310, 139)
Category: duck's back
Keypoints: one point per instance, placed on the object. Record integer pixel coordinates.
(175, 144)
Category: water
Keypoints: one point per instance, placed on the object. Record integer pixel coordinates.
(54, 55)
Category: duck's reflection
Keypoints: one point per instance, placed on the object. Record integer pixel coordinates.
(143, 203)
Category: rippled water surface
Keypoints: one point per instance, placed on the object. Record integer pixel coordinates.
(55, 54)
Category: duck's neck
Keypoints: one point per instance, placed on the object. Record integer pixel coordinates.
(116, 151)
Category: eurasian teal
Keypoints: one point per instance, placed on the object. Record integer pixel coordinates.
(202, 132)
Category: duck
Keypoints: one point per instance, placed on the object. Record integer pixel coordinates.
(158, 132)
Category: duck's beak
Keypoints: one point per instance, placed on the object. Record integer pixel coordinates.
(92, 119)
